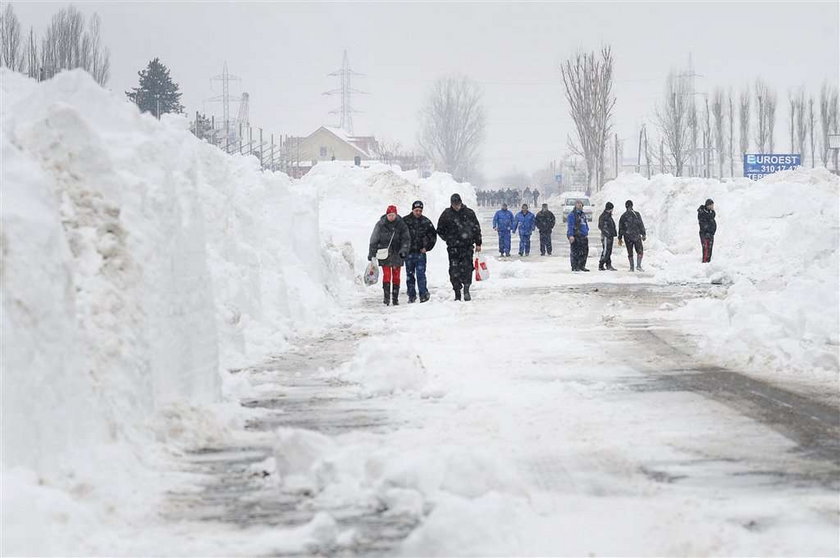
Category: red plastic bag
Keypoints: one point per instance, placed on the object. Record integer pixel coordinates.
(481, 271)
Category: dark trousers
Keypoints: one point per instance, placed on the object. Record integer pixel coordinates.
(545, 242)
(634, 243)
(707, 242)
(606, 251)
(460, 265)
(579, 252)
(415, 267)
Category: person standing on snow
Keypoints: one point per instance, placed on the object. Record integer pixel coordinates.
(423, 239)
(545, 222)
(392, 233)
(536, 194)
(502, 224)
(708, 227)
(577, 230)
(524, 222)
(459, 228)
(606, 224)
(632, 230)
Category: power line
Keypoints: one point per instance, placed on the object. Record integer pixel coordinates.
(346, 91)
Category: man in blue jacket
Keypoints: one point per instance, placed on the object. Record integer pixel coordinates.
(503, 223)
(525, 224)
(578, 233)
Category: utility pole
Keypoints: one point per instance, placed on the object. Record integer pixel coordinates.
(345, 111)
(225, 77)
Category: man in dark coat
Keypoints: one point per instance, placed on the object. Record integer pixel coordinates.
(459, 228)
(577, 230)
(708, 227)
(632, 230)
(545, 224)
(423, 238)
(606, 224)
(390, 233)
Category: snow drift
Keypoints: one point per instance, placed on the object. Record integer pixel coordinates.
(776, 249)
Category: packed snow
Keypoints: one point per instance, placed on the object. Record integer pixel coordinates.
(140, 265)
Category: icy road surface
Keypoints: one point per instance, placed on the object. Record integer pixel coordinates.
(555, 414)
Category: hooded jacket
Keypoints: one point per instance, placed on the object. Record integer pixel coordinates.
(706, 218)
(396, 235)
(459, 228)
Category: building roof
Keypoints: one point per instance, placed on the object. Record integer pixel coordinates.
(353, 141)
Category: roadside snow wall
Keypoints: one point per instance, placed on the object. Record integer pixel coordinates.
(776, 249)
(137, 262)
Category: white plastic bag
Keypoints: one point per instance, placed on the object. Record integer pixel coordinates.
(371, 273)
(482, 273)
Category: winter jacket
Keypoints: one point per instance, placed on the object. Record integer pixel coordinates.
(423, 233)
(606, 224)
(524, 222)
(545, 221)
(459, 228)
(706, 218)
(382, 236)
(503, 220)
(576, 224)
(630, 226)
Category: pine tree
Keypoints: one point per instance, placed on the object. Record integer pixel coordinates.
(157, 93)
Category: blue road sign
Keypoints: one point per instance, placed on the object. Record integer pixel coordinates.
(558, 178)
(759, 165)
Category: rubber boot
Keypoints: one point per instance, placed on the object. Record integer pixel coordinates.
(457, 294)
(467, 296)
(396, 294)
(632, 267)
(639, 262)
(386, 288)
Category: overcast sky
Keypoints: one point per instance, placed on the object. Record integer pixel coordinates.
(283, 51)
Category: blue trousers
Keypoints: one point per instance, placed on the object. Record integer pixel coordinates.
(524, 244)
(504, 242)
(415, 267)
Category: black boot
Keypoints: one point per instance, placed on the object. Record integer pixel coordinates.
(600, 266)
(467, 296)
(386, 288)
(632, 266)
(639, 262)
(457, 294)
(396, 294)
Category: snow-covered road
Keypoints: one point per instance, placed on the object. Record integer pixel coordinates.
(556, 414)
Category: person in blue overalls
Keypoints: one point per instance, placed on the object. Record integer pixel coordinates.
(503, 223)
(524, 223)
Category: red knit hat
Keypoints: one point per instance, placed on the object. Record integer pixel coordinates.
(391, 209)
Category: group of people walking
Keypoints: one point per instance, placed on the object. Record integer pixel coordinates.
(406, 240)
(491, 198)
(396, 240)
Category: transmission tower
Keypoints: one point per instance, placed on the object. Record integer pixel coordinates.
(346, 91)
(225, 77)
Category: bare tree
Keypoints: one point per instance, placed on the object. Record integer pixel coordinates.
(673, 118)
(801, 125)
(792, 115)
(11, 55)
(828, 117)
(765, 99)
(30, 55)
(731, 114)
(67, 45)
(588, 82)
(811, 125)
(452, 127)
(744, 120)
(692, 127)
(718, 114)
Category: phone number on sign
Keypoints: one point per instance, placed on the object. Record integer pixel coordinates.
(775, 168)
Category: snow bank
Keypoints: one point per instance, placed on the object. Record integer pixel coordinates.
(776, 247)
(137, 263)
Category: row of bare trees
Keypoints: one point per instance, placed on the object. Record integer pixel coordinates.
(70, 41)
(681, 121)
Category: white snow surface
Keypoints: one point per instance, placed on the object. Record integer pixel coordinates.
(776, 251)
(139, 265)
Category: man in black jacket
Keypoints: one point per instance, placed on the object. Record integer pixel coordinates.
(632, 230)
(459, 228)
(606, 225)
(423, 238)
(545, 223)
(708, 227)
